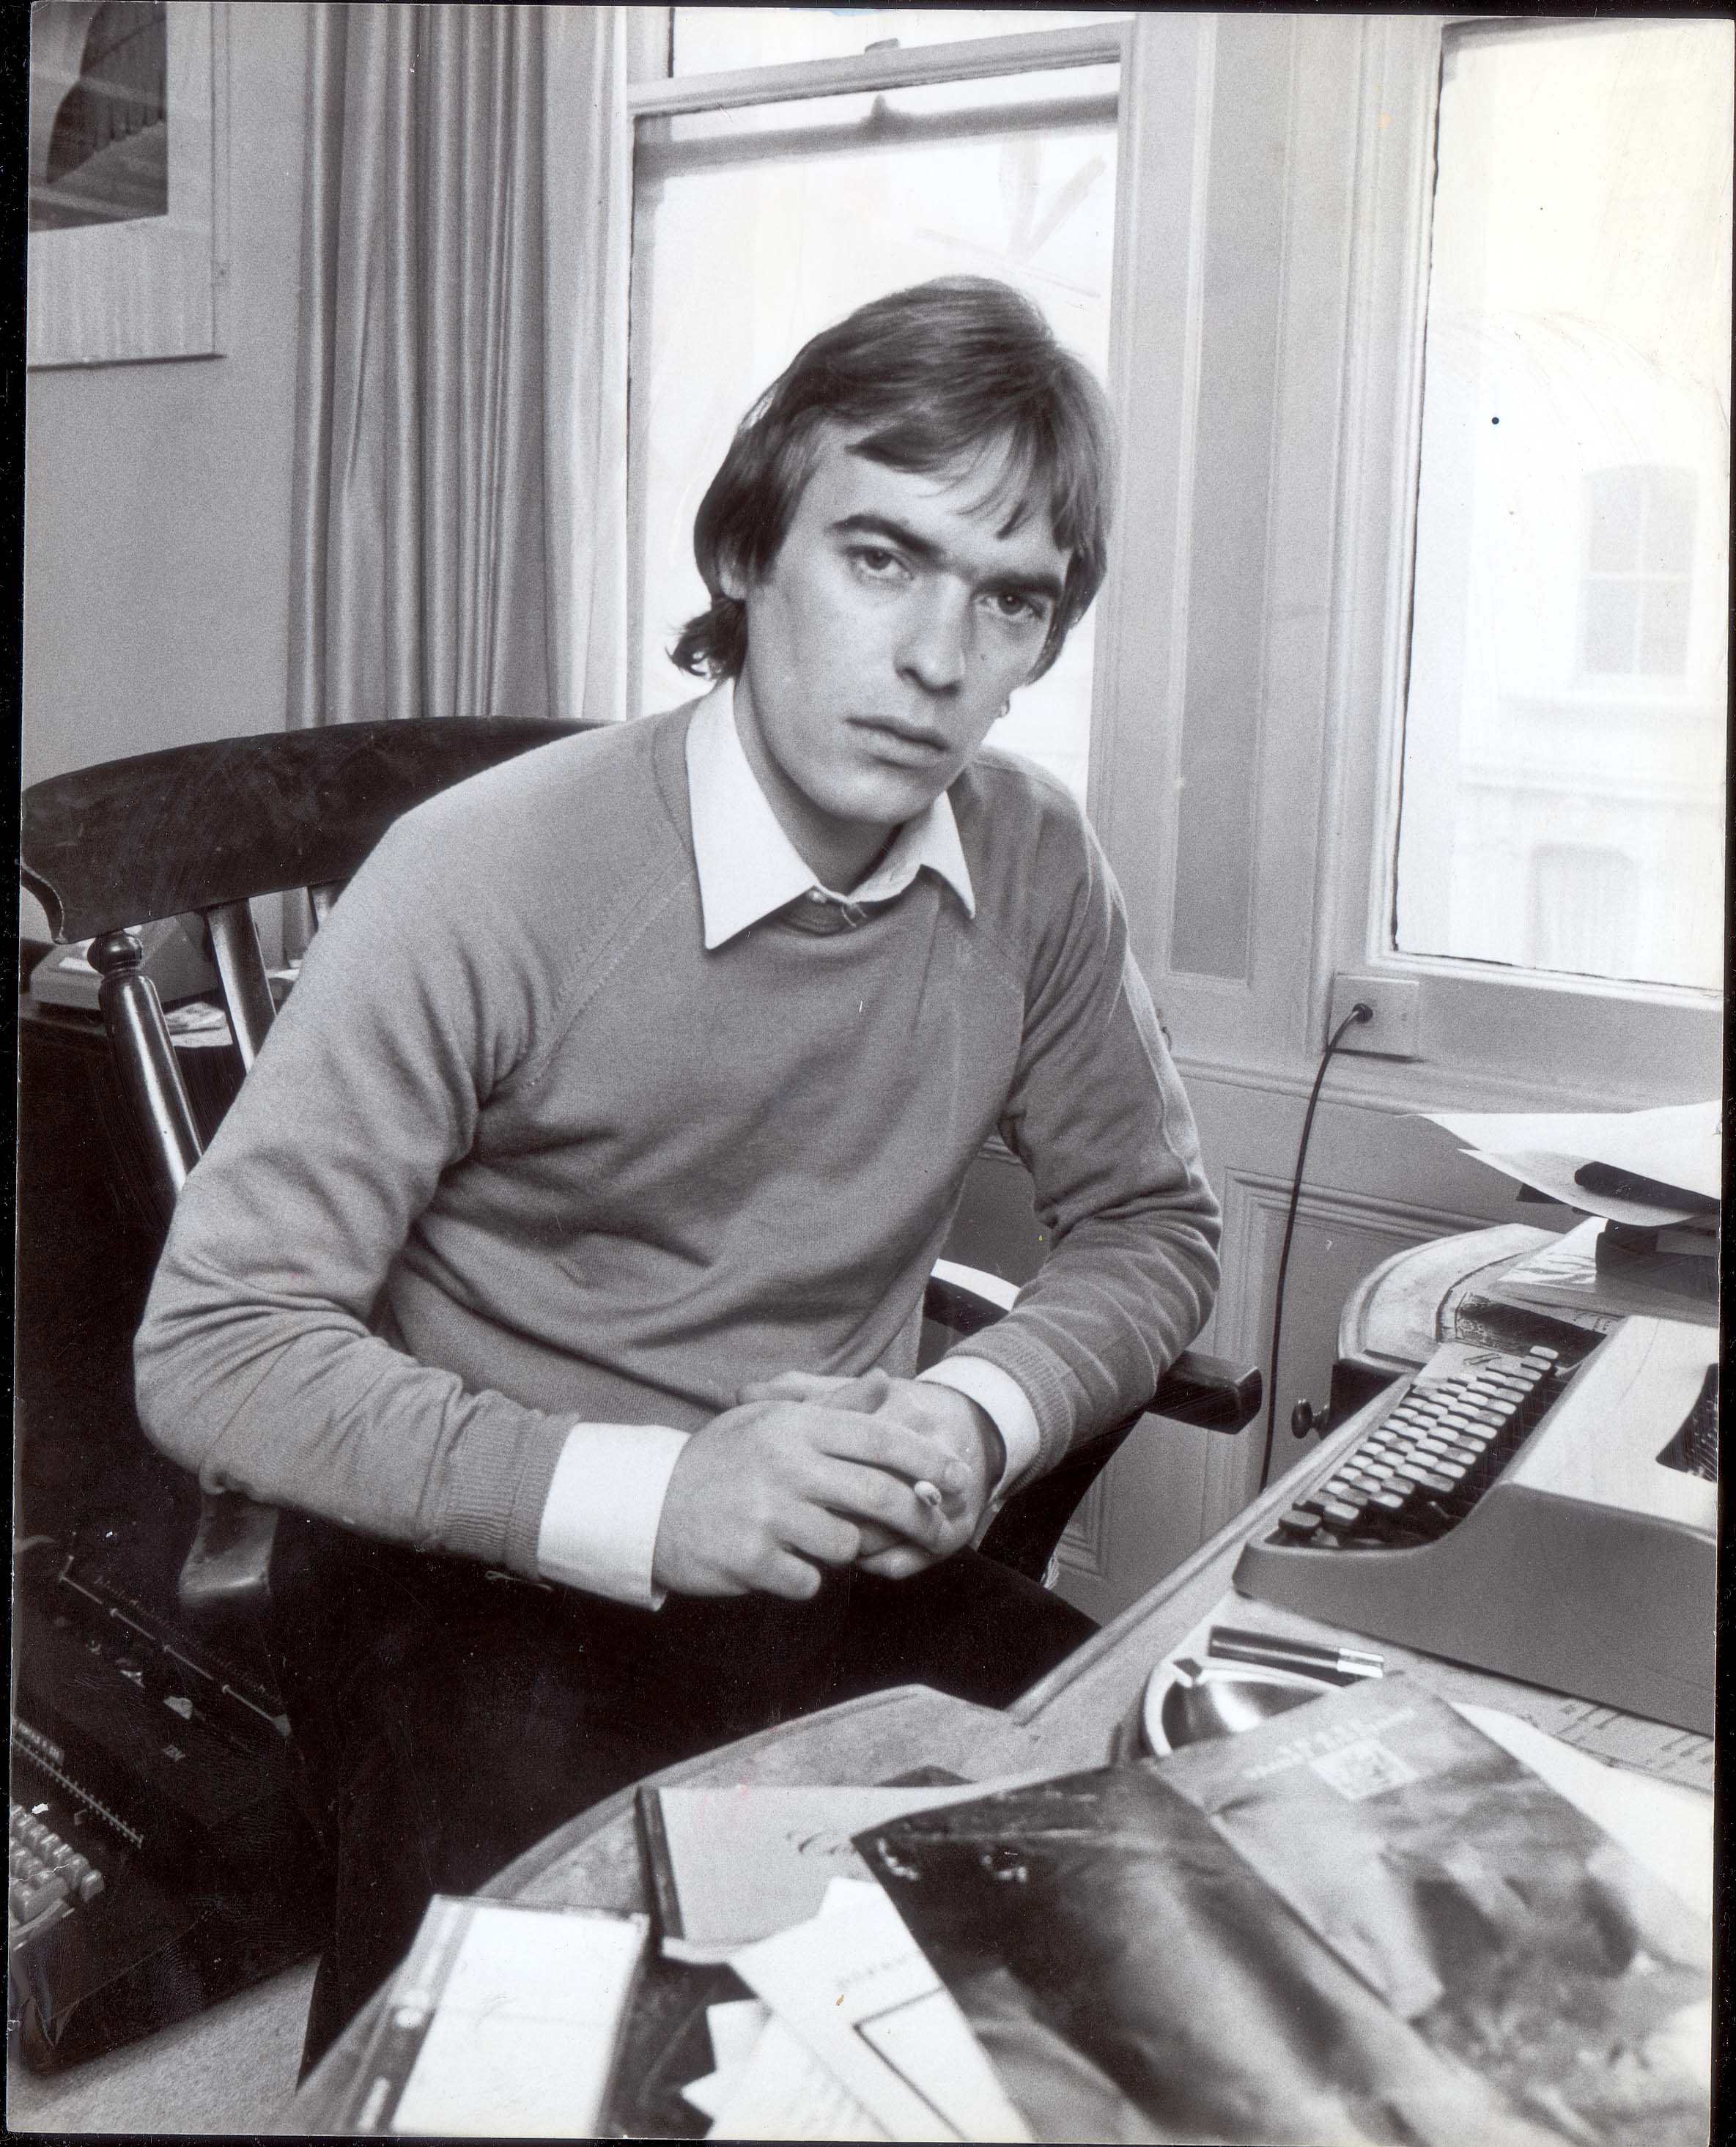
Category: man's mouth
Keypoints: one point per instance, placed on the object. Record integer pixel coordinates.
(915, 740)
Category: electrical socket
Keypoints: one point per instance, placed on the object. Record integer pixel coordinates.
(1398, 1005)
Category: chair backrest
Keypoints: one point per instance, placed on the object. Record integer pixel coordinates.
(201, 830)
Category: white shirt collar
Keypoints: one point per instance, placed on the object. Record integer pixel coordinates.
(747, 867)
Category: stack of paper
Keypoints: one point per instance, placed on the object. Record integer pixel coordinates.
(1650, 1182)
(1582, 1272)
(851, 2036)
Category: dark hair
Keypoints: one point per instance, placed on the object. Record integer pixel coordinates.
(923, 380)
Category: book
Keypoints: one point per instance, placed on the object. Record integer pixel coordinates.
(1577, 1272)
(1131, 1978)
(1361, 1922)
(503, 2022)
(1519, 1937)
(731, 1866)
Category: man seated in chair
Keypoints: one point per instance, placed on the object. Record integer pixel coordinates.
(575, 1219)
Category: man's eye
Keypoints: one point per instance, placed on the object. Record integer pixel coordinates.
(879, 565)
(1016, 608)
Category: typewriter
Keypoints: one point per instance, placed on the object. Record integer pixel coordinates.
(1554, 1525)
(158, 1855)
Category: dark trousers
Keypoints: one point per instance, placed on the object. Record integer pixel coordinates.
(465, 1715)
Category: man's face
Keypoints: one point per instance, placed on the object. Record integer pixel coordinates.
(900, 611)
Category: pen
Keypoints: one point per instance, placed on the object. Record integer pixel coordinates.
(1272, 1651)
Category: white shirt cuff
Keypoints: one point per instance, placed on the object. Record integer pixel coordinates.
(1008, 1404)
(600, 1520)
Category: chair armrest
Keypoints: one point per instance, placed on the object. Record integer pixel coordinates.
(227, 1569)
(1208, 1391)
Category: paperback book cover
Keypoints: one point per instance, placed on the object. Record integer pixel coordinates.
(1132, 1978)
(502, 2023)
(1485, 1908)
(1362, 1922)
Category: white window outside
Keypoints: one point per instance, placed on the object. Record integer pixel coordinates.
(1568, 668)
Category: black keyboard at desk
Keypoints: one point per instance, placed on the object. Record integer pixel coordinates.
(1540, 1527)
(159, 1859)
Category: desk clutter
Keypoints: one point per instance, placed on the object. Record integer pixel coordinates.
(1648, 1184)
(1326, 1886)
(1345, 1900)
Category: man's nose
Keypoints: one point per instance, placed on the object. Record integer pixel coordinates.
(935, 649)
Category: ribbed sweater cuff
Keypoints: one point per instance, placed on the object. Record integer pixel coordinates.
(1052, 1389)
(508, 1477)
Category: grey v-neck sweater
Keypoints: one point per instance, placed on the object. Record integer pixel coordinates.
(520, 1152)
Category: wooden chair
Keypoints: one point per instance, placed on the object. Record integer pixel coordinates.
(201, 830)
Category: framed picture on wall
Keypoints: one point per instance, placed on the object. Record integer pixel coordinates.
(127, 127)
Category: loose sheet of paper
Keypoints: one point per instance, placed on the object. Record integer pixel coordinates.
(783, 2092)
(1679, 1145)
(735, 2026)
(1553, 1174)
(859, 1990)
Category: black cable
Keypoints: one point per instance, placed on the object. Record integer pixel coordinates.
(1361, 1012)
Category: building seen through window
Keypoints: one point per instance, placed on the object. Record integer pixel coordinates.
(1638, 570)
(1562, 795)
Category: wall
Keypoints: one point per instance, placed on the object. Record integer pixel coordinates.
(156, 496)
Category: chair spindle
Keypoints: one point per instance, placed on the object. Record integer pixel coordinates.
(241, 966)
(133, 1016)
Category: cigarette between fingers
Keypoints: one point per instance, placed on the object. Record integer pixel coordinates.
(928, 1493)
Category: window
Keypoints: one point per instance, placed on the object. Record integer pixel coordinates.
(757, 224)
(1567, 675)
(1639, 571)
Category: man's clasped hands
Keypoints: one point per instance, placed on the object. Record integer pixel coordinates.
(809, 1471)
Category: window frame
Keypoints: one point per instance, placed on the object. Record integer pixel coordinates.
(1539, 1037)
(1361, 99)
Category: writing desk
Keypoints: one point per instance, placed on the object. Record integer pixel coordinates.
(1074, 1719)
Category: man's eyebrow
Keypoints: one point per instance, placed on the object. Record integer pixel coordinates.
(923, 548)
(895, 532)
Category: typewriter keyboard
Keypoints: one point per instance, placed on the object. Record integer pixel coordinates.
(1427, 1463)
(47, 1875)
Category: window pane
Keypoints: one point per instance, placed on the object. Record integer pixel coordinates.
(1663, 629)
(1563, 746)
(753, 230)
(1612, 608)
(1668, 545)
(1617, 497)
(707, 40)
